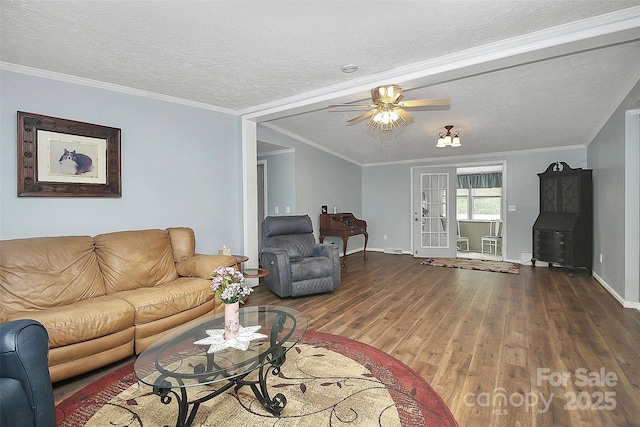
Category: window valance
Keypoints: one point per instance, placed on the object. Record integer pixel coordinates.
(480, 180)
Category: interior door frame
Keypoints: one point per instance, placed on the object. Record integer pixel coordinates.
(262, 197)
(503, 214)
(416, 224)
(504, 205)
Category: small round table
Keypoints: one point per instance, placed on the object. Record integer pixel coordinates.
(240, 259)
(255, 273)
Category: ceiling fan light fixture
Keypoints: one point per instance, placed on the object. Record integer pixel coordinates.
(387, 110)
(449, 139)
(385, 94)
(385, 121)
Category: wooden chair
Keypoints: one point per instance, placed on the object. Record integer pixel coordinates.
(493, 238)
(462, 239)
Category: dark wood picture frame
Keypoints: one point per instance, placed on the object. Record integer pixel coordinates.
(50, 163)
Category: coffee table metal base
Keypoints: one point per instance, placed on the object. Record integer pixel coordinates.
(177, 366)
(187, 410)
(269, 361)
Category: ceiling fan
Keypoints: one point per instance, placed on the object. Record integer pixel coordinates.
(387, 110)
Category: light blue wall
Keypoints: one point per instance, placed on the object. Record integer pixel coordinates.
(321, 179)
(606, 156)
(387, 199)
(181, 166)
(281, 182)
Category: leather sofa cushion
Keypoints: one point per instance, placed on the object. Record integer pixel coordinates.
(84, 320)
(203, 266)
(183, 243)
(311, 268)
(174, 297)
(42, 272)
(135, 259)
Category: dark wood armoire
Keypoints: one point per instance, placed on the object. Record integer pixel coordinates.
(563, 231)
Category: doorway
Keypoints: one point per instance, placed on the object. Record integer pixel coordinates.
(480, 212)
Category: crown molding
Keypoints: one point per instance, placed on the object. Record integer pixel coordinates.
(52, 75)
(468, 157)
(590, 33)
(308, 142)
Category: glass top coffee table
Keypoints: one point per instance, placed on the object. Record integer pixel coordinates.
(174, 364)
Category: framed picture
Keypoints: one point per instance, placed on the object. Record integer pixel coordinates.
(65, 158)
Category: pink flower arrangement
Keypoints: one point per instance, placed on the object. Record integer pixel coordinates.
(228, 284)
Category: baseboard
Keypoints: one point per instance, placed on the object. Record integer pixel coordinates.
(352, 251)
(631, 304)
(394, 251)
(616, 295)
(384, 250)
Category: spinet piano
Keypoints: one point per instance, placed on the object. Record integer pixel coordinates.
(343, 225)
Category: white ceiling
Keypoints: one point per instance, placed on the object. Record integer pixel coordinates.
(521, 74)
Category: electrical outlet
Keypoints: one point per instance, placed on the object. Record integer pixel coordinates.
(385, 237)
(276, 209)
(600, 258)
(287, 209)
(512, 208)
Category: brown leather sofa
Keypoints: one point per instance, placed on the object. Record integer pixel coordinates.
(107, 297)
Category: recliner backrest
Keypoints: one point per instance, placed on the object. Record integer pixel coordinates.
(292, 233)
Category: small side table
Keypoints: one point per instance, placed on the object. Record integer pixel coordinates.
(255, 273)
(240, 259)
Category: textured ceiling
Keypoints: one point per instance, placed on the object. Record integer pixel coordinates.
(246, 57)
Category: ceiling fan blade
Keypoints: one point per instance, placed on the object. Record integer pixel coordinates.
(352, 105)
(404, 115)
(362, 116)
(426, 102)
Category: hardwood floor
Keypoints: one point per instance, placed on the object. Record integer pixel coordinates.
(535, 349)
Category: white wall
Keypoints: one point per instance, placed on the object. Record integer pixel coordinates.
(606, 156)
(181, 166)
(281, 182)
(321, 179)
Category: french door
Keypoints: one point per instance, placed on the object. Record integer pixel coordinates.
(434, 212)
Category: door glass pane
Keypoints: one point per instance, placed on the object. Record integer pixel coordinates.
(434, 210)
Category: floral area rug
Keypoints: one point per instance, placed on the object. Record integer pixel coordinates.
(474, 264)
(327, 380)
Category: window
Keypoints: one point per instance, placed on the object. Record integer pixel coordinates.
(479, 203)
(462, 203)
(479, 194)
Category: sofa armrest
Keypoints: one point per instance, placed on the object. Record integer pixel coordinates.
(279, 278)
(24, 352)
(203, 266)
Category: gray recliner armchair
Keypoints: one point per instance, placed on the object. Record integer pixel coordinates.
(297, 264)
(26, 393)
